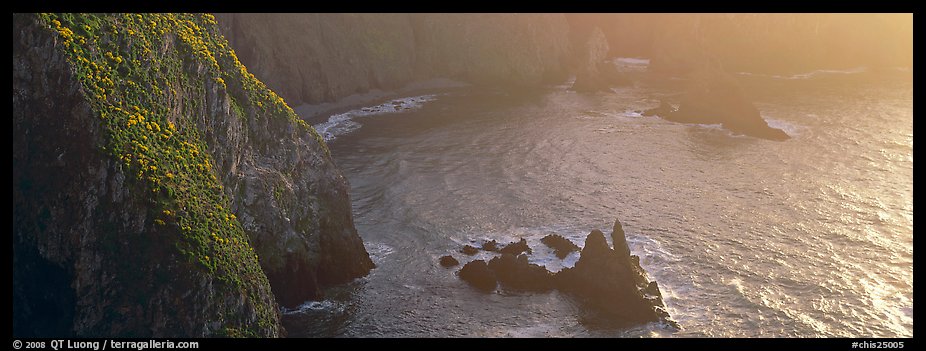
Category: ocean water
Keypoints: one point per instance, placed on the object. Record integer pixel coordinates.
(810, 237)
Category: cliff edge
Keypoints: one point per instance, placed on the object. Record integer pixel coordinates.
(159, 189)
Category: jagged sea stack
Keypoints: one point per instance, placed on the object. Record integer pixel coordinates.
(611, 281)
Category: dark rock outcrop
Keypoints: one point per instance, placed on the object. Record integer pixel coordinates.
(516, 248)
(315, 58)
(560, 245)
(448, 261)
(478, 274)
(609, 281)
(516, 273)
(491, 245)
(714, 97)
(619, 240)
(612, 282)
(595, 72)
(469, 250)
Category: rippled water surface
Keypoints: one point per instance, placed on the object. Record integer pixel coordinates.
(746, 237)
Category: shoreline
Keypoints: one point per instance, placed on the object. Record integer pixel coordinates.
(318, 113)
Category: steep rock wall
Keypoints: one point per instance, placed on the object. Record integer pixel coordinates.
(316, 58)
(157, 185)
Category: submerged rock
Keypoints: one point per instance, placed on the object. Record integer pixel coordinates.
(515, 248)
(478, 274)
(560, 245)
(516, 273)
(448, 261)
(469, 250)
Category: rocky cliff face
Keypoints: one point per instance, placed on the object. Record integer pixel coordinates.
(594, 72)
(761, 43)
(322, 57)
(157, 185)
(781, 43)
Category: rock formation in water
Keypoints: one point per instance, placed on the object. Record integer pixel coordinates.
(478, 274)
(315, 58)
(469, 250)
(157, 185)
(514, 272)
(619, 240)
(448, 261)
(595, 72)
(491, 245)
(516, 248)
(560, 245)
(612, 282)
(713, 97)
(608, 281)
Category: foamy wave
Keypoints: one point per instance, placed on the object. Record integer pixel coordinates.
(312, 306)
(791, 129)
(807, 75)
(378, 251)
(337, 125)
(650, 250)
(344, 123)
(632, 61)
(542, 255)
(652, 253)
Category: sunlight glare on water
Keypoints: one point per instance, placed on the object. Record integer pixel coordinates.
(810, 237)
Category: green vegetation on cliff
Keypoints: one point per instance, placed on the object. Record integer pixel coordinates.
(141, 76)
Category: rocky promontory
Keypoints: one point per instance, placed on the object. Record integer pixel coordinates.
(160, 189)
(714, 97)
(594, 72)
